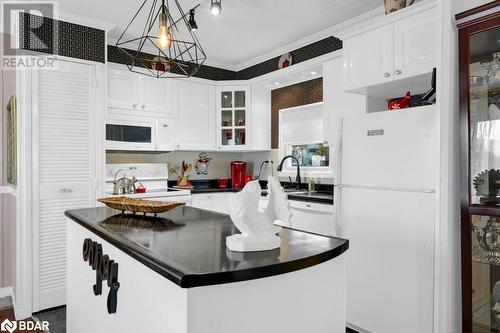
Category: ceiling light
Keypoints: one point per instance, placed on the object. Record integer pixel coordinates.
(167, 44)
(276, 83)
(313, 73)
(192, 22)
(215, 7)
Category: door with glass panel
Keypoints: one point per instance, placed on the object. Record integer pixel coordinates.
(233, 118)
(479, 44)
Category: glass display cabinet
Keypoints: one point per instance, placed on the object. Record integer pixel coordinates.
(233, 117)
(479, 70)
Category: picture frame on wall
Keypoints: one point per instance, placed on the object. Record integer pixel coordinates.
(11, 141)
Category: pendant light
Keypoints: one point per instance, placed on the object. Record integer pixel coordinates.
(166, 43)
(215, 7)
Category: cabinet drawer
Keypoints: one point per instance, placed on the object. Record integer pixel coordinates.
(64, 190)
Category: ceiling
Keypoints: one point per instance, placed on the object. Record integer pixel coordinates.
(244, 30)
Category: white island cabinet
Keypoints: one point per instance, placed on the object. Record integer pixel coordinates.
(127, 276)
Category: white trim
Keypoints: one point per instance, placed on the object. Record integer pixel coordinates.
(6, 292)
(23, 286)
(9, 189)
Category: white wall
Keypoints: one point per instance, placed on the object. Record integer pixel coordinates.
(7, 200)
(459, 6)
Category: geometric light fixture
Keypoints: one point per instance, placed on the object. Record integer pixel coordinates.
(215, 7)
(167, 44)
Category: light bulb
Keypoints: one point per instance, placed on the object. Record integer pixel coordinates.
(164, 38)
(215, 7)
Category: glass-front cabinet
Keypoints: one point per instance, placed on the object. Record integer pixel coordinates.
(233, 117)
(479, 50)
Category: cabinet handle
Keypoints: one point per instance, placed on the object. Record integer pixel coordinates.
(387, 74)
(65, 190)
(134, 105)
(178, 146)
(165, 125)
(308, 205)
(398, 72)
(143, 106)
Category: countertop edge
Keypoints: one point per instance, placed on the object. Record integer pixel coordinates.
(201, 280)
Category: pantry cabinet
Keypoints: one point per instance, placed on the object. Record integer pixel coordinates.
(194, 105)
(138, 93)
(401, 49)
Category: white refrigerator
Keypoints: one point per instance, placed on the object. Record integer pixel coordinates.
(385, 199)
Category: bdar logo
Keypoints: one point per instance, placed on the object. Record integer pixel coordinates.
(9, 326)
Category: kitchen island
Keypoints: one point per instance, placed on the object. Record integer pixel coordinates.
(174, 274)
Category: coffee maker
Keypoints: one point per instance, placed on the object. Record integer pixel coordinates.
(238, 172)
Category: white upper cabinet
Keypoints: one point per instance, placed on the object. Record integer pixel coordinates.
(137, 92)
(403, 49)
(123, 89)
(415, 45)
(369, 58)
(166, 135)
(155, 94)
(194, 104)
(233, 117)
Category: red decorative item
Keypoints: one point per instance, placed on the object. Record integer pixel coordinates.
(222, 182)
(248, 178)
(400, 103)
(140, 189)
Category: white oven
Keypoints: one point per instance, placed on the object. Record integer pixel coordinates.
(138, 133)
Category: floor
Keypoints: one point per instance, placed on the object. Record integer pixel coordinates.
(55, 317)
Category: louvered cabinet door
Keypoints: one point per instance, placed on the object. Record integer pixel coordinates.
(64, 170)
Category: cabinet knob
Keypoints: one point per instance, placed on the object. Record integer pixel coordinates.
(387, 74)
(178, 146)
(143, 106)
(134, 105)
(165, 125)
(398, 72)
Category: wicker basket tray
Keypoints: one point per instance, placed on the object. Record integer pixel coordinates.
(140, 205)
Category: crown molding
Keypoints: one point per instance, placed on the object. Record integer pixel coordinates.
(329, 32)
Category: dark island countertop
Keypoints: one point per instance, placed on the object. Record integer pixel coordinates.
(188, 245)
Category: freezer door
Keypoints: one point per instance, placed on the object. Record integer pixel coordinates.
(390, 262)
(390, 149)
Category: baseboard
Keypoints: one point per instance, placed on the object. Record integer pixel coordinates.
(6, 291)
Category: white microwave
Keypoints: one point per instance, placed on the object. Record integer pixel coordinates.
(139, 134)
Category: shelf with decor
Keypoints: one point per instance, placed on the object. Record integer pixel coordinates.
(233, 118)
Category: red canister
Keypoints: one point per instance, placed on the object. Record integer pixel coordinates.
(238, 172)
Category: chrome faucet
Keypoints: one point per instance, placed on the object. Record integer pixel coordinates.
(280, 168)
(124, 185)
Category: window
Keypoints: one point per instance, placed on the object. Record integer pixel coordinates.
(301, 135)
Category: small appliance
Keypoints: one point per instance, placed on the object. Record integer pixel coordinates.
(238, 172)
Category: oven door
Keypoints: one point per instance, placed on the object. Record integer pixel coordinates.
(130, 134)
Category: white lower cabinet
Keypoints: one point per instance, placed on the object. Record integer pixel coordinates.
(217, 202)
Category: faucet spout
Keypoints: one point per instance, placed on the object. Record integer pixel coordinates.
(280, 168)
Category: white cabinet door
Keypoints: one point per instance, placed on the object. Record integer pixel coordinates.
(390, 262)
(261, 118)
(166, 135)
(123, 89)
(220, 202)
(202, 201)
(233, 121)
(415, 45)
(64, 170)
(194, 104)
(369, 58)
(155, 95)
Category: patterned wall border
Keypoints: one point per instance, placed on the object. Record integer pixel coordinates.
(73, 40)
(307, 52)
